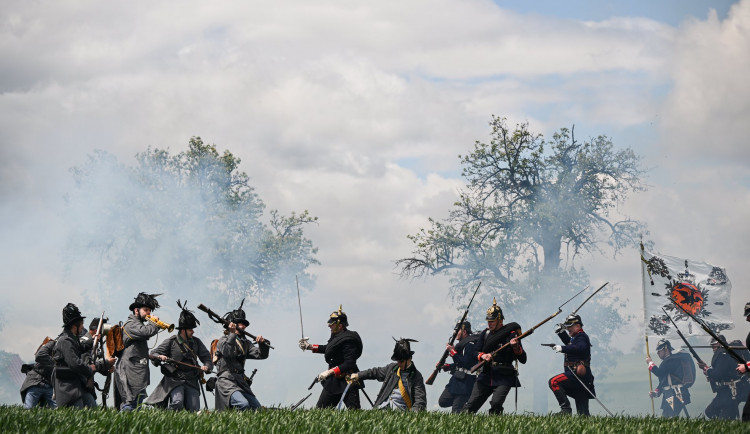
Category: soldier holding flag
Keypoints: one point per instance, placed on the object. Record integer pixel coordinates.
(676, 374)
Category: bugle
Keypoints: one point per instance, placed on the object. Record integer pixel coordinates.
(161, 324)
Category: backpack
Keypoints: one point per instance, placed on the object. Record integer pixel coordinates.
(115, 344)
(688, 368)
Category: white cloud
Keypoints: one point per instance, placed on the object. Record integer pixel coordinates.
(706, 114)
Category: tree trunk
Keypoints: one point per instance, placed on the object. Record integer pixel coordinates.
(551, 248)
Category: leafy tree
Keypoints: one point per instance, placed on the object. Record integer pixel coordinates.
(527, 203)
(188, 223)
(522, 205)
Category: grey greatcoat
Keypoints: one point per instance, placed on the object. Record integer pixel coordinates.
(387, 375)
(71, 372)
(189, 352)
(131, 370)
(232, 350)
(41, 374)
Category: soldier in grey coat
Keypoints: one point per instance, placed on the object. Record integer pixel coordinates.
(37, 386)
(131, 371)
(232, 385)
(180, 388)
(71, 373)
(403, 385)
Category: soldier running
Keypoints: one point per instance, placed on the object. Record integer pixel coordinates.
(341, 352)
(232, 385)
(180, 388)
(72, 373)
(724, 382)
(37, 386)
(576, 367)
(498, 375)
(403, 386)
(459, 387)
(132, 374)
(743, 369)
(676, 374)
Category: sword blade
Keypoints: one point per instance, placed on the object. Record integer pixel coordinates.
(299, 303)
(343, 395)
(589, 391)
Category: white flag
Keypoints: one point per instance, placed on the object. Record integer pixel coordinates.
(701, 289)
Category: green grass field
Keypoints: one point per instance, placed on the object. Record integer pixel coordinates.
(17, 420)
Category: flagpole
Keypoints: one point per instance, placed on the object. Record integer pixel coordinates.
(645, 327)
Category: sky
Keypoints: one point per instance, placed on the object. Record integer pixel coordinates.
(357, 112)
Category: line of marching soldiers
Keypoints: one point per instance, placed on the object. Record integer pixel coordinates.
(64, 368)
(676, 375)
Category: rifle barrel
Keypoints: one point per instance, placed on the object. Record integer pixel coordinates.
(441, 362)
(219, 320)
(708, 330)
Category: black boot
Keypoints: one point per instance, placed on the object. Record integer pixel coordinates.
(582, 406)
(562, 399)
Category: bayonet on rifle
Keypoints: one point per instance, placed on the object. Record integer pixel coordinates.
(708, 330)
(531, 330)
(441, 362)
(701, 363)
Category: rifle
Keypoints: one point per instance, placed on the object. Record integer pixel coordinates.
(589, 297)
(203, 392)
(97, 337)
(174, 362)
(441, 362)
(219, 320)
(701, 363)
(711, 346)
(105, 389)
(708, 330)
(529, 331)
(292, 408)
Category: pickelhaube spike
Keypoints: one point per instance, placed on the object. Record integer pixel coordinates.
(494, 312)
(338, 316)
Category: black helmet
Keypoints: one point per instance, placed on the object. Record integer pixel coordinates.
(572, 320)
(402, 351)
(71, 314)
(466, 325)
(237, 316)
(747, 309)
(338, 316)
(187, 319)
(94, 324)
(721, 338)
(145, 300)
(663, 343)
(494, 312)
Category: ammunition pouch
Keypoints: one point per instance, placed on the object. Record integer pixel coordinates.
(168, 370)
(65, 373)
(581, 367)
(211, 384)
